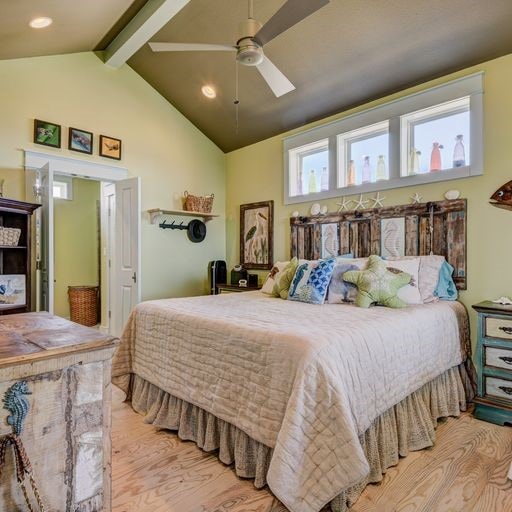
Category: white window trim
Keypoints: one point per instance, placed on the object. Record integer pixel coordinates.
(471, 85)
(68, 180)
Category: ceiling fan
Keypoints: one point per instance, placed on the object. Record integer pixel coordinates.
(253, 36)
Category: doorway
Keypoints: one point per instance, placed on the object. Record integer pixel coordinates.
(93, 235)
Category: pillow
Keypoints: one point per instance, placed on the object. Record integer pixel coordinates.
(377, 285)
(446, 289)
(311, 281)
(283, 284)
(273, 277)
(341, 291)
(410, 293)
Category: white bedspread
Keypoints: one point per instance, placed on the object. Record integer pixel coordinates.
(303, 379)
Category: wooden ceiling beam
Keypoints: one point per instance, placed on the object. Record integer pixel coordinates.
(144, 25)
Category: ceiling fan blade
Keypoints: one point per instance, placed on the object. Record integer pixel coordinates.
(288, 15)
(275, 79)
(191, 47)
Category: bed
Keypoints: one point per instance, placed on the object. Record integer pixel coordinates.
(315, 401)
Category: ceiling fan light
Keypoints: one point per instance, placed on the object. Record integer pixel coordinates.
(249, 52)
(41, 22)
(208, 91)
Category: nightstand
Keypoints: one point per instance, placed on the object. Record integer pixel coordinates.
(235, 288)
(493, 361)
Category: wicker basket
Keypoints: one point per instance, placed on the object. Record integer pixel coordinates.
(9, 236)
(201, 204)
(83, 304)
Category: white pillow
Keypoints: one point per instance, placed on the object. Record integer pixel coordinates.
(409, 293)
(273, 276)
(340, 291)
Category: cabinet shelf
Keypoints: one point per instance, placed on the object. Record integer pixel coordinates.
(13, 246)
(156, 212)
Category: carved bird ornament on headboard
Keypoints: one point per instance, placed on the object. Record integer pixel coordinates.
(502, 198)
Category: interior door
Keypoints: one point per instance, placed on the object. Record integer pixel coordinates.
(44, 249)
(126, 273)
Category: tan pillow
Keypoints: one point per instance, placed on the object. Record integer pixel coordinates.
(282, 286)
(273, 277)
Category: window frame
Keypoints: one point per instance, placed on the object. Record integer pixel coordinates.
(469, 86)
(68, 182)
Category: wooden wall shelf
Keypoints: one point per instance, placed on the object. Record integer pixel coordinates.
(156, 212)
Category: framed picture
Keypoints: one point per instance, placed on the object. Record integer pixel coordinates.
(392, 238)
(256, 235)
(110, 147)
(330, 240)
(12, 290)
(47, 134)
(80, 140)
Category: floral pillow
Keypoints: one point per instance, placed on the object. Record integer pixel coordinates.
(282, 284)
(273, 277)
(311, 280)
(341, 291)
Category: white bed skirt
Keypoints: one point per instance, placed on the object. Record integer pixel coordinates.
(408, 426)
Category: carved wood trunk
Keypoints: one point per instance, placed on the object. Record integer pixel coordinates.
(67, 433)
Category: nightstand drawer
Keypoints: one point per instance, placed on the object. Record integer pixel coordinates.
(498, 328)
(498, 357)
(500, 388)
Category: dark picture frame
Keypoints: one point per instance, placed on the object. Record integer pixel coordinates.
(80, 140)
(110, 147)
(257, 235)
(47, 133)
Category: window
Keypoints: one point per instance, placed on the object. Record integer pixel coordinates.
(363, 155)
(429, 136)
(63, 187)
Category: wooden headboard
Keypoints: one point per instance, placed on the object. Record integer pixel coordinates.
(359, 232)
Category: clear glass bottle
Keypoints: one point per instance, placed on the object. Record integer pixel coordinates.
(299, 183)
(324, 180)
(367, 170)
(381, 173)
(312, 185)
(351, 174)
(414, 162)
(459, 154)
(435, 157)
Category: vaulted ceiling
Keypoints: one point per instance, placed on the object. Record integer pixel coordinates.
(347, 53)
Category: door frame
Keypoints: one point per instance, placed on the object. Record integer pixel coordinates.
(75, 167)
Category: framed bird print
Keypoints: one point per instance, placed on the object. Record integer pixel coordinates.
(256, 235)
(110, 147)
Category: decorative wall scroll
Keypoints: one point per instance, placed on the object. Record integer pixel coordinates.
(361, 232)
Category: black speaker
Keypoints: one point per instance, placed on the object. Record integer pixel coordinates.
(253, 280)
(218, 274)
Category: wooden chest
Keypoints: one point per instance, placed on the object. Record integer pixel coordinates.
(493, 361)
(67, 432)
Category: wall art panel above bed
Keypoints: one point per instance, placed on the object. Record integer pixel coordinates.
(437, 227)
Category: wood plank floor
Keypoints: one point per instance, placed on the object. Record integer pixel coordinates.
(154, 471)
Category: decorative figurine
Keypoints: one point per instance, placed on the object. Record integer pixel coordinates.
(459, 154)
(315, 209)
(344, 205)
(360, 203)
(502, 198)
(377, 200)
(16, 403)
(452, 194)
(416, 198)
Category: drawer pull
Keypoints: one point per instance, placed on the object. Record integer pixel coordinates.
(506, 390)
(506, 330)
(507, 360)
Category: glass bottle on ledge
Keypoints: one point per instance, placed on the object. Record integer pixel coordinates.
(367, 170)
(459, 154)
(324, 180)
(414, 162)
(312, 185)
(299, 183)
(381, 173)
(435, 157)
(351, 174)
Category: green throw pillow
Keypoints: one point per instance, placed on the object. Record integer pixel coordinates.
(377, 284)
(282, 287)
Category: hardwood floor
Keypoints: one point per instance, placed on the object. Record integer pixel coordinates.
(154, 471)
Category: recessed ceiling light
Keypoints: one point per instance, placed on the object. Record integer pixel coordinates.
(41, 22)
(208, 91)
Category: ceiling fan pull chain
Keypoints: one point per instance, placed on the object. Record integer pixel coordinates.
(237, 101)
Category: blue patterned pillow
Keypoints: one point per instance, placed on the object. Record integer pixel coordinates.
(311, 281)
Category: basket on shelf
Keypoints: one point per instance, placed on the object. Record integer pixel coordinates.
(201, 204)
(83, 304)
(9, 236)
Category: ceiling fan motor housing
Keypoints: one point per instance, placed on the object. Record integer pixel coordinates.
(249, 52)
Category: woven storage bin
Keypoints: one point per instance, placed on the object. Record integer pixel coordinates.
(201, 204)
(83, 304)
(9, 236)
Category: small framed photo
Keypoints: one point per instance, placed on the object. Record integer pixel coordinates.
(80, 140)
(110, 147)
(12, 290)
(47, 134)
(256, 235)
